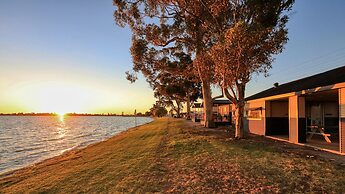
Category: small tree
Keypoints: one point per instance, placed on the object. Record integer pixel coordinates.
(161, 112)
(168, 73)
(158, 110)
(247, 47)
(147, 114)
(176, 83)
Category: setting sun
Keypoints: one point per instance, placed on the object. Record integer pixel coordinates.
(62, 98)
(61, 114)
(56, 97)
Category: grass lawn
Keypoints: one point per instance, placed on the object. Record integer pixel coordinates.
(173, 155)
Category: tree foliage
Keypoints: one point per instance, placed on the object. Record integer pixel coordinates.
(248, 47)
(158, 110)
(170, 74)
(176, 83)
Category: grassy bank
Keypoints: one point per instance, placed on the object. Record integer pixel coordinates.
(171, 155)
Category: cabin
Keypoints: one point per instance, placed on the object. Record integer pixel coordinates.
(197, 110)
(222, 114)
(222, 111)
(308, 111)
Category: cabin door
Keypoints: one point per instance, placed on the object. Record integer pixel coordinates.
(316, 115)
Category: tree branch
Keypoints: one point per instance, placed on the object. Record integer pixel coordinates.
(231, 98)
(234, 93)
(166, 43)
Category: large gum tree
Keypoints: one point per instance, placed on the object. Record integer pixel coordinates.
(176, 25)
(257, 33)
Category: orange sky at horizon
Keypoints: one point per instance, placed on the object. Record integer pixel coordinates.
(84, 94)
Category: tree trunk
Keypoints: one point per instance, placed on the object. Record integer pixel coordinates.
(239, 113)
(188, 107)
(208, 104)
(205, 82)
(178, 109)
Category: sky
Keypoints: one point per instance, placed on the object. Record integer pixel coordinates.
(69, 56)
(316, 44)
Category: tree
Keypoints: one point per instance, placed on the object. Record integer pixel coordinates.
(161, 111)
(168, 73)
(147, 113)
(257, 34)
(174, 26)
(158, 110)
(175, 83)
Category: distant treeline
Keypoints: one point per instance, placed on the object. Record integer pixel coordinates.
(71, 114)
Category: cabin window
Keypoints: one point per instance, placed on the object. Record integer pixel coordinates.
(254, 114)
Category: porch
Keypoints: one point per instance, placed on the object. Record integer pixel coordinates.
(311, 119)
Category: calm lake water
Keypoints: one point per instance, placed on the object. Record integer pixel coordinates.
(25, 140)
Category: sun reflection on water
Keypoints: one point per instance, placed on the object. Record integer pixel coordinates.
(61, 118)
(61, 131)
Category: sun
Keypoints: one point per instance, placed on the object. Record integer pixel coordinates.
(61, 98)
(61, 116)
(61, 113)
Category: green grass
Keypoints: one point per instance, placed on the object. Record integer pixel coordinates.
(170, 155)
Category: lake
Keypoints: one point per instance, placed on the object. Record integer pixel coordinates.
(25, 140)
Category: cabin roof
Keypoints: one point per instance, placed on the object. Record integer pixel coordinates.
(330, 77)
(215, 102)
(197, 105)
(221, 101)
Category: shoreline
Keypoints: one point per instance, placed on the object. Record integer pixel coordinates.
(73, 115)
(66, 152)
